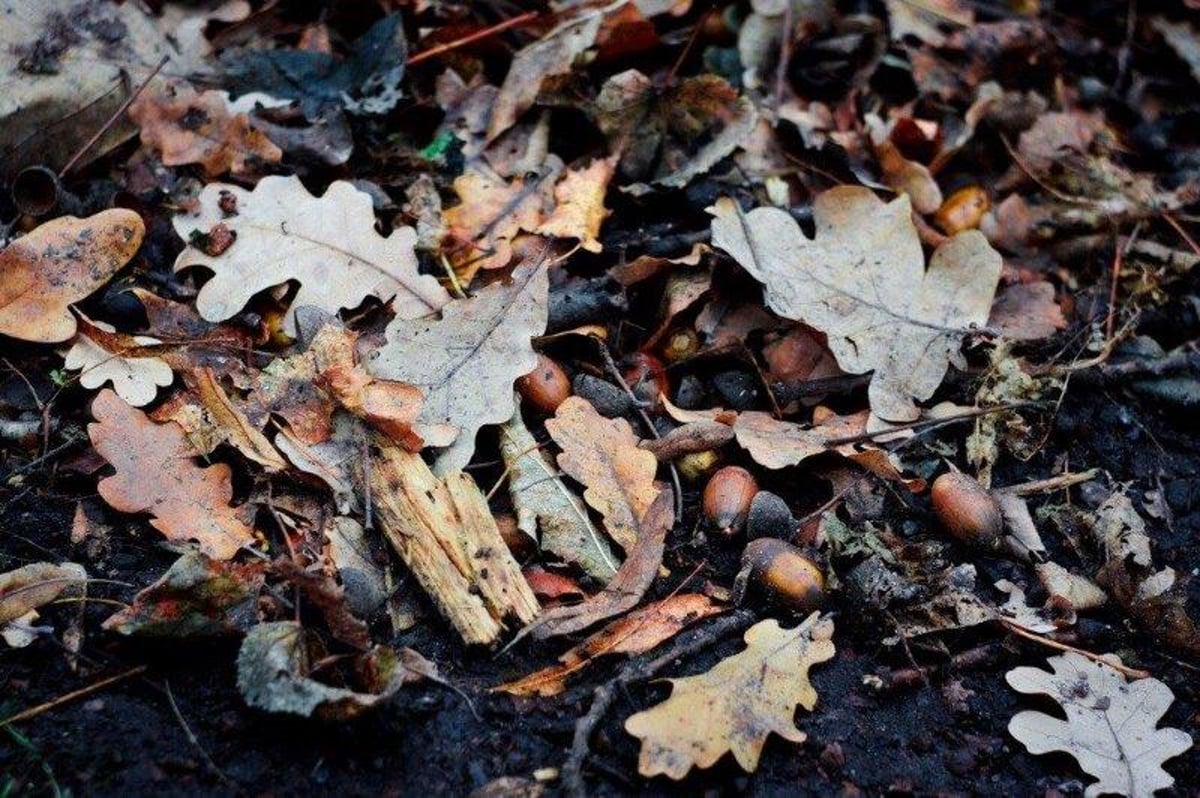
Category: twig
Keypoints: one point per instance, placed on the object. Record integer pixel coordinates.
(928, 422)
(1051, 484)
(638, 670)
(478, 35)
(611, 365)
(87, 145)
(192, 737)
(1124, 670)
(33, 712)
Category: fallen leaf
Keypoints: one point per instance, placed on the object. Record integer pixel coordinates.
(1111, 726)
(359, 565)
(603, 455)
(637, 632)
(736, 705)
(328, 244)
(626, 589)
(579, 204)
(493, 212)
(545, 505)
(1027, 312)
(334, 461)
(155, 473)
(322, 592)
(100, 354)
(924, 19)
(33, 585)
(197, 596)
(862, 282)
(466, 362)
(232, 424)
(188, 127)
(60, 262)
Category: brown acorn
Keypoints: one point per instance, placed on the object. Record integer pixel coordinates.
(546, 387)
(727, 498)
(966, 509)
(962, 210)
(781, 575)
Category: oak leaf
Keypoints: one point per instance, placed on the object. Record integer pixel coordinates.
(60, 262)
(100, 354)
(603, 455)
(466, 362)
(328, 244)
(637, 632)
(862, 282)
(155, 473)
(188, 126)
(545, 504)
(737, 704)
(1111, 725)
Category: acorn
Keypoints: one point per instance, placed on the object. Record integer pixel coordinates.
(546, 387)
(966, 509)
(781, 575)
(695, 466)
(962, 210)
(727, 498)
(770, 517)
(646, 377)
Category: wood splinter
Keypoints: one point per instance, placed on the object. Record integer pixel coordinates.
(445, 533)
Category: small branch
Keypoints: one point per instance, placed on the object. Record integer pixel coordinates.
(66, 698)
(635, 671)
(478, 35)
(1060, 482)
(928, 422)
(1124, 670)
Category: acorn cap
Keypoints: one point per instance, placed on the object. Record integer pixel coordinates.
(770, 517)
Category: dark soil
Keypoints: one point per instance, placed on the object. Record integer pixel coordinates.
(127, 740)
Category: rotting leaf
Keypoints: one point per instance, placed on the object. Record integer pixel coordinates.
(603, 455)
(639, 631)
(60, 262)
(862, 281)
(1111, 726)
(197, 596)
(155, 473)
(736, 705)
(466, 362)
(33, 585)
(545, 505)
(328, 244)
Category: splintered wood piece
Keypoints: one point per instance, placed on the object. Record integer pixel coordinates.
(445, 533)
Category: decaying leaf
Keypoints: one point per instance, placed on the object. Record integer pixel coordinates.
(231, 423)
(327, 243)
(100, 354)
(862, 282)
(155, 473)
(358, 559)
(188, 126)
(466, 362)
(603, 455)
(736, 705)
(60, 262)
(33, 585)
(197, 596)
(1111, 726)
(639, 631)
(273, 668)
(547, 510)
(626, 589)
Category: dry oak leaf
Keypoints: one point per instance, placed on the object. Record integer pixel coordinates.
(30, 586)
(60, 262)
(603, 455)
(1110, 727)
(155, 473)
(466, 362)
(737, 704)
(480, 230)
(545, 504)
(187, 127)
(328, 244)
(100, 354)
(637, 632)
(579, 210)
(862, 282)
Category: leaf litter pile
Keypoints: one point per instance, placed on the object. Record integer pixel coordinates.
(599, 397)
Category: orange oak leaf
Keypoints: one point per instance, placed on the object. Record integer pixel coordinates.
(60, 262)
(155, 473)
(187, 126)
